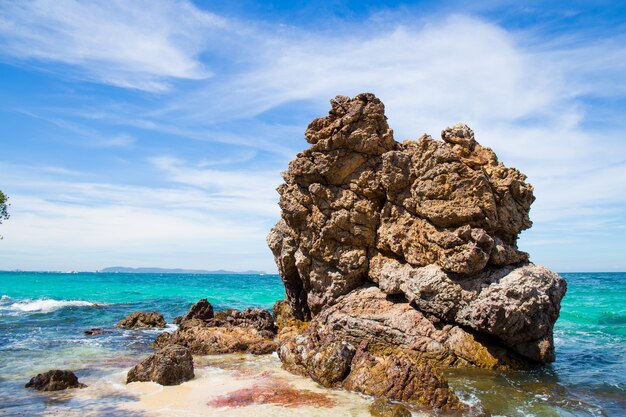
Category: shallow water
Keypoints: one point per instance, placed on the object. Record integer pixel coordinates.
(43, 317)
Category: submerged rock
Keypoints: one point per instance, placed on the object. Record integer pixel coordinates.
(171, 365)
(54, 380)
(275, 394)
(142, 320)
(385, 408)
(95, 331)
(411, 246)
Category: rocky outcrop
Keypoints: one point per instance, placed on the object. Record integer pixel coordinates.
(251, 330)
(202, 310)
(409, 245)
(171, 365)
(54, 380)
(142, 320)
(381, 370)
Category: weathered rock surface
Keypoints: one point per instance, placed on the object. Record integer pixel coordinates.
(433, 221)
(202, 310)
(171, 365)
(54, 380)
(374, 369)
(251, 330)
(410, 248)
(385, 408)
(142, 320)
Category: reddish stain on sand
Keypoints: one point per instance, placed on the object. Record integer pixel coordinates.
(275, 395)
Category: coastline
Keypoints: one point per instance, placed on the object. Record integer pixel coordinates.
(586, 380)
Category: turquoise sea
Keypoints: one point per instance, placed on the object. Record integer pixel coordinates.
(43, 317)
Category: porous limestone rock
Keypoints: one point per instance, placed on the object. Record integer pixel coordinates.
(434, 223)
(398, 258)
(171, 365)
(142, 320)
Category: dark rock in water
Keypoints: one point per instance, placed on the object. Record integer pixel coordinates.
(142, 320)
(411, 246)
(171, 365)
(251, 330)
(96, 331)
(385, 408)
(54, 380)
(201, 310)
(178, 319)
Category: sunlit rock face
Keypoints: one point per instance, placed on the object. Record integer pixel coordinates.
(412, 245)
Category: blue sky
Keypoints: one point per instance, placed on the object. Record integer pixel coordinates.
(153, 133)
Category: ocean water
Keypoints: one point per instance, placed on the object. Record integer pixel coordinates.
(43, 317)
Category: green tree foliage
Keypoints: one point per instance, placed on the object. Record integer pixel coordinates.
(4, 213)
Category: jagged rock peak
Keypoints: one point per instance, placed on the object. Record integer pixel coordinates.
(434, 222)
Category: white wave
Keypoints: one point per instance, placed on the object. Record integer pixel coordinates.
(45, 305)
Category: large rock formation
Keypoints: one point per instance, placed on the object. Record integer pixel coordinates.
(412, 244)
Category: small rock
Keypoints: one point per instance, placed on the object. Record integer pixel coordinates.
(96, 331)
(54, 380)
(385, 408)
(171, 365)
(178, 319)
(142, 320)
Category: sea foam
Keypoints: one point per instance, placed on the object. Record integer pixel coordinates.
(41, 305)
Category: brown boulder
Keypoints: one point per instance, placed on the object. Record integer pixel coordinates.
(54, 380)
(142, 320)
(171, 365)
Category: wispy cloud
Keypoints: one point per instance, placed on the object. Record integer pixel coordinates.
(55, 218)
(139, 44)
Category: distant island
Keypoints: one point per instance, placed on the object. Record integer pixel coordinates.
(124, 269)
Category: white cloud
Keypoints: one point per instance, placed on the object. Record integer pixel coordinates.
(61, 224)
(138, 44)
